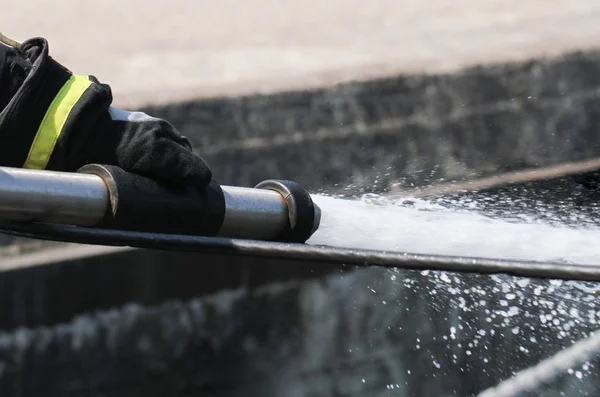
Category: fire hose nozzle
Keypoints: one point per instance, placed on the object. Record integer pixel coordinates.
(105, 196)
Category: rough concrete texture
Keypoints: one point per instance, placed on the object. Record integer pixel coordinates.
(402, 132)
(38, 292)
(373, 332)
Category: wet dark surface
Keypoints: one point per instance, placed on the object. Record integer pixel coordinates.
(571, 200)
(374, 331)
(50, 294)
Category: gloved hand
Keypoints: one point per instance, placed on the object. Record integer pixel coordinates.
(52, 119)
(140, 144)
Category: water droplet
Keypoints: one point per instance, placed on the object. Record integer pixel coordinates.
(513, 311)
(523, 282)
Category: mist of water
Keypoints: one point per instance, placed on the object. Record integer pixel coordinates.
(423, 227)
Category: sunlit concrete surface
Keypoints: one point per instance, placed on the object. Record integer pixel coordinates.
(153, 52)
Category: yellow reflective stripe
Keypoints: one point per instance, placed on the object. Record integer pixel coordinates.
(8, 41)
(54, 121)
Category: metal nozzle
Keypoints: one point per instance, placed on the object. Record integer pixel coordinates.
(274, 210)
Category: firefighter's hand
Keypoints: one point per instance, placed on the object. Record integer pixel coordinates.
(147, 146)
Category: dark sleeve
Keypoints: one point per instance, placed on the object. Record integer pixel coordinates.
(56, 120)
(41, 102)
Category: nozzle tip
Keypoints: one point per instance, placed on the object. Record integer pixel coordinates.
(304, 214)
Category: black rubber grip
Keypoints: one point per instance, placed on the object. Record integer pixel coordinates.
(138, 203)
(301, 209)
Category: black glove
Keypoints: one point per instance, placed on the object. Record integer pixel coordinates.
(140, 144)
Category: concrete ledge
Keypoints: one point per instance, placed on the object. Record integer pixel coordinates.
(404, 131)
(59, 253)
(54, 285)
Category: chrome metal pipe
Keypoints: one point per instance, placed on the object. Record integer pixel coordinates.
(253, 213)
(52, 197)
(83, 200)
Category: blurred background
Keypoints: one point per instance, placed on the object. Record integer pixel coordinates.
(435, 99)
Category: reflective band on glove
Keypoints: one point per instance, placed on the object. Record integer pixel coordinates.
(54, 121)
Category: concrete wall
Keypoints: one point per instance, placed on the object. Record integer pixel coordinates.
(406, 131)
(375, 332)
(46, 294)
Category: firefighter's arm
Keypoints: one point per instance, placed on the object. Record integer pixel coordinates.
(53, 119)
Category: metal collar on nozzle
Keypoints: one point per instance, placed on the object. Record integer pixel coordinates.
(304, 215)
